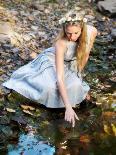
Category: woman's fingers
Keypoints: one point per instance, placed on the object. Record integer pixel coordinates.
(76, 116)
(70, 117)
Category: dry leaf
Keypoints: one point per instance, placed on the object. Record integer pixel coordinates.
(106, 129)
(33, 55)
(85, 138)
(10, 110)
(109, 114)
(27, 112)
(31, 18)
(27, 107)
(113, 128)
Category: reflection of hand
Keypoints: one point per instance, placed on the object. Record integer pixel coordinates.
(70, 115)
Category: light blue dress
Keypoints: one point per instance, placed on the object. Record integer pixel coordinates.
(37, 80)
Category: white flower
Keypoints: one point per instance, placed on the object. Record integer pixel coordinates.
(62, 20)
(76, 18)
(69, 19)
(84, 20)
(73, 19)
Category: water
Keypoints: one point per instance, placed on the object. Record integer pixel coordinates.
(46, 132)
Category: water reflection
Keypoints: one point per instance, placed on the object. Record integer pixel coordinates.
(94, 134)
(29, 144)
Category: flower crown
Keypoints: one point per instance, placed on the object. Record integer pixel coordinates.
(72, 19)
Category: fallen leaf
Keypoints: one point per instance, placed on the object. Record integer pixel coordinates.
(10, 110)
(106, 129)
(85, 138)
(109, 114)
(26, 107)
(113, 128)
(27, 112)
(33, 55)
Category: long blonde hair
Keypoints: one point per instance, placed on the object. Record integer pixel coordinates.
(82, 46)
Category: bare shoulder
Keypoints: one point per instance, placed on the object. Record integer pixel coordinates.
(61, 43)
(92, 29)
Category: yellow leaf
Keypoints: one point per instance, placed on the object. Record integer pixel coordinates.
(10, 110)
(27, 112)
(26, 107)
(113, 128)
(106, 129)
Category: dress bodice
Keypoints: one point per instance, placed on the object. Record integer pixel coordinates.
(71, 50)
(69, 53)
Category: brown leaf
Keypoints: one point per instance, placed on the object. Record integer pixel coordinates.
(31, 18)
(109, 114)
(27, 107)
(33, 55)
(85, 138)
(27, 112)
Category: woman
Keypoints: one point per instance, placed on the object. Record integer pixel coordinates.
(52, 78)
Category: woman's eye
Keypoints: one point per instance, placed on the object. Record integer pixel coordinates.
(76, 32)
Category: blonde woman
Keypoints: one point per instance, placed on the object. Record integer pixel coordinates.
(53, 78)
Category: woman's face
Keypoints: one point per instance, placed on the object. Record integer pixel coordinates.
(73, 32)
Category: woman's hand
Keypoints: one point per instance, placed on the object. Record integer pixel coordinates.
(70, 115)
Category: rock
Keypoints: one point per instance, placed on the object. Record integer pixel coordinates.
(113, 33)
(107, 7)
(15, 50)
(7, 46)
(34, 28)
(19, 120)
(41, 33)
(7, 34)
(14, 12)
(31, 18)
(47, 11)
(5, 31)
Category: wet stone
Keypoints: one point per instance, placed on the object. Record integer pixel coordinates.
(19, 119)
(113, 33)
(4, 120)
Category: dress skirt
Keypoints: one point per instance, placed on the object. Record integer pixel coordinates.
(37, 81)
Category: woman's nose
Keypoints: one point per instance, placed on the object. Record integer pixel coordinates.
(70, 36)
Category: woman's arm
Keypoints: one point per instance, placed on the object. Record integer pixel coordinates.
(91, 35)
(70, 115)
